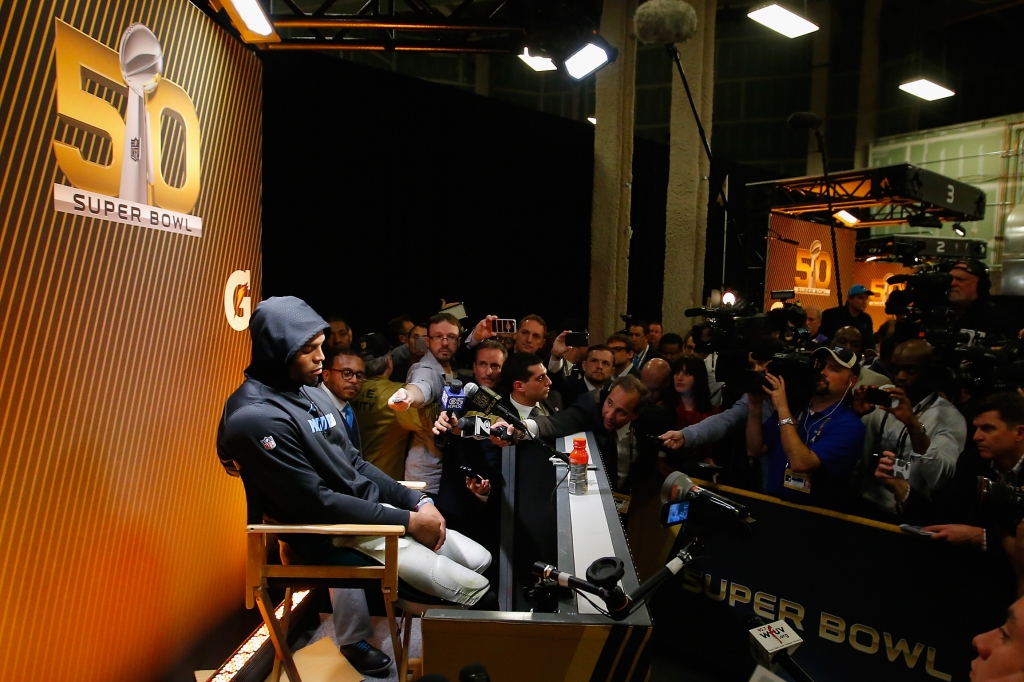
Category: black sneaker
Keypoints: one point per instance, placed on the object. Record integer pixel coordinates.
(367, 659)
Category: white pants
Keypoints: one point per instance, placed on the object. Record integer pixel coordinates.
(452, 573)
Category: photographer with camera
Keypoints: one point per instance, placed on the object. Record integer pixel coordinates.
(812, 453)
(911, 425)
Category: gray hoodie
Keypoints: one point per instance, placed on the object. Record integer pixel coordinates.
(288, 441)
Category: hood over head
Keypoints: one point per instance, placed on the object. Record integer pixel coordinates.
(279, 327)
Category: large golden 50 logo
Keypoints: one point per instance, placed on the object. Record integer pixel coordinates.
(813, 271)
(131, 188)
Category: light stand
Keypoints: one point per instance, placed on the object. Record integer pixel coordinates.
(820, 137)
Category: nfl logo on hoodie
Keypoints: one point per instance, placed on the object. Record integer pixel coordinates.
(268, 442)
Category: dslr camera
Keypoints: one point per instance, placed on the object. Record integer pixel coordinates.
(1000, 503)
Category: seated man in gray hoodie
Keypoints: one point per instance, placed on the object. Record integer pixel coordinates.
(289, 445)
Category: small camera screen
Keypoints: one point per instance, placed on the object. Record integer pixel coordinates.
(678, 512)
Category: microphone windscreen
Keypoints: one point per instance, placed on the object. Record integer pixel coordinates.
(470, 389)
(803, 120)
(665, 22)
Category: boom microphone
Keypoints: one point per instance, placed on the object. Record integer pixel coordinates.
(665, 22)
(803, 120)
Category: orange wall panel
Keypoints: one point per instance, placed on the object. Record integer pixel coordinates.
(121, 538)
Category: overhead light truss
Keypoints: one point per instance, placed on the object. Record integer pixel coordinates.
(474, 26)
(890, 195)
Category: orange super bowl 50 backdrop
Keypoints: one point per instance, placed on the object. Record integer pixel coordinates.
(130, 136)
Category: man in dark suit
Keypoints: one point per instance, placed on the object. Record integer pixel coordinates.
(530, 386)
(593, 373)
(610, 414)
(642, 349)
(344, 374)
(623, 350)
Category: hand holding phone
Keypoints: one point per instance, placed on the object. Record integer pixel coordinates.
(577, 339)
(503, 326)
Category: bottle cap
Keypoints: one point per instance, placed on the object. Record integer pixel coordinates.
(579, 442)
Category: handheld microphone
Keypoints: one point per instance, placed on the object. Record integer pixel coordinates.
(772, 645)
(453, 400)
(803, 120)
(476, 427)
(488, 402)
(679, 487)
(665, 22)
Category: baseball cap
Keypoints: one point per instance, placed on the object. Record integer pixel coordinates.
(975, 267)
(858, 289)
(844, 356)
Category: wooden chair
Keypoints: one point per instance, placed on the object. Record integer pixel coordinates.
(261, 576)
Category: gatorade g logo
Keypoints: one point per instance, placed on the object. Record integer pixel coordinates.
(131, 188)
(813, 271)
(237, 300)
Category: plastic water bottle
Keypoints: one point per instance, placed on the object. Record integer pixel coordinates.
(578, 461)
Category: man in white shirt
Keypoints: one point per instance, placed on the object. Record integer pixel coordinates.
(923, 431)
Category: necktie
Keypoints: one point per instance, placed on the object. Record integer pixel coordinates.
(538, 411)
(350, 425)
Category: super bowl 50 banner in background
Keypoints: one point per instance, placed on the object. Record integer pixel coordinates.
(808, 269)
(130, 134)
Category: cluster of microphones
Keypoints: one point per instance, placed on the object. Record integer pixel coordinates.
(457, 399)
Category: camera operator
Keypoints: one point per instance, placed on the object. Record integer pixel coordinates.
(811, 453)
(970, 300)
(923, 430)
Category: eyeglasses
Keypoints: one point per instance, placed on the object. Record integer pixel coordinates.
(451, 338)
(348, 374)
(616, 349)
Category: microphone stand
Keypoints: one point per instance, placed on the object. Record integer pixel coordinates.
(820, 137)
(674, 54)
(621, 605)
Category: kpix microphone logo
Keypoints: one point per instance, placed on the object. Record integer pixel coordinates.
(238, 300)
(130, 188)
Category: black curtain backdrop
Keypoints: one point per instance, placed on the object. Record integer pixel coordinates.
(383, 194)
(647, 218)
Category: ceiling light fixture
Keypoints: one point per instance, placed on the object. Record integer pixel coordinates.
(537, 62)
(782, 21)
(959, 229)
(253, 16)
(592, 120)
(847, 218)
(593, 56)
(925, 89)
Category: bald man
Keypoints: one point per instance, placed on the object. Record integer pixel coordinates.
(657, 377)
(922, 429)
(850, 337)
